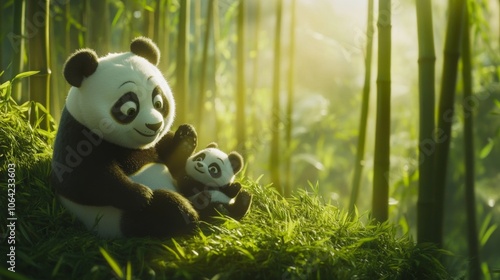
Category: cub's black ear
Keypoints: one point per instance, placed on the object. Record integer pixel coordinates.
(212, 145)
(146, 48)
(79, 65)
(236, 161)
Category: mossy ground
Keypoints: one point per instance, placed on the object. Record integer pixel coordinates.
(302, 237)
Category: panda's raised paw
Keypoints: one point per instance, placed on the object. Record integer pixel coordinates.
(185, 139)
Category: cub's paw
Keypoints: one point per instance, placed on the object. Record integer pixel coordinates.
(231, 190)
(241, 205)
(185, 139)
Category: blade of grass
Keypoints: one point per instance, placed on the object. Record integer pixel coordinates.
(112, 263)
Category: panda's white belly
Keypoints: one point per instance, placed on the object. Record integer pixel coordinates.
(105, 220)
(155, 176)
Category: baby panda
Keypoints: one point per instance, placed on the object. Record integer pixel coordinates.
(115, 124)
(208, 182)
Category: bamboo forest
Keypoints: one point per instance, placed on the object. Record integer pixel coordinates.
(365, 132)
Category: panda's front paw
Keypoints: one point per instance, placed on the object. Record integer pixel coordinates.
(138, 199)
(185, 139)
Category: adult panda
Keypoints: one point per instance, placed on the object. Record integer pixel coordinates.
(116, 122)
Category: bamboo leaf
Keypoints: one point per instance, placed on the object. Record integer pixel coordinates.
(25, 74)
(485, 224)
(129, 271)
(179, 248)
(487, 234)
(117, 16)
(497, 103)
(485, 151)
(173, 252)
(5, 85)
(114, 265)
(245, 252)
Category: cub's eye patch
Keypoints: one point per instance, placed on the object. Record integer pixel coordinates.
(160, 102)
(214, 170)
(126, 108)
(199, 157)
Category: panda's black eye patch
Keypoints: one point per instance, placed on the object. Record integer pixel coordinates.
(126, 108)
(214, 170)
(199, 157)
(160, 102)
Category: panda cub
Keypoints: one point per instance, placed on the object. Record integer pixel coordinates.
(208, 182)
(116, 123)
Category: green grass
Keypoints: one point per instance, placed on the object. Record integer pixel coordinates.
(298, 238)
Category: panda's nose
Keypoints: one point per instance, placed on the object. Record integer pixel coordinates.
(199, 164)
(154, 126)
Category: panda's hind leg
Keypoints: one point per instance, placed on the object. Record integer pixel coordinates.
(169, 214)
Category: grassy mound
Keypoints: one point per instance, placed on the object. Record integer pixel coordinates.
(297, 238)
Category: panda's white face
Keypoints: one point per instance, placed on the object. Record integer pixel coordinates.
(211, 166)
(127, 100)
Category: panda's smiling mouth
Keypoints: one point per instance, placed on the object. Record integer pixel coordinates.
(199, 170)
(144, 134)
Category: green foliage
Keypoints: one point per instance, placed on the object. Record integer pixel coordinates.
(21, 143)
(297, 238)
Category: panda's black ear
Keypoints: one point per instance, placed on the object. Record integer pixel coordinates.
(146, 48)
(236, 161)
(79, 65)
(212, 145)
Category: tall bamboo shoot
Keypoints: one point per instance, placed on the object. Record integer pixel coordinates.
(426, 232)
(360, 151)
(274, 162)
(446, 109)
(39, 55)
(240, 80)
(182, 66)
(381, 162)
(470, 196)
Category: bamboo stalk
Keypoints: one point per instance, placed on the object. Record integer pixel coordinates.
(289, 108)
(148, 23)
(254, 108)
(381, 162)
(57, 84)
(19, 52)
(426, 232)
(160, 32)
(182, 66)
(446, 109)
(360, 151)
(274, 162)
(241, 81)
(470, 196)
(159, 22)
(165, 37)
(39, 56)
(97, 26)
(204, 65)
(217, 36)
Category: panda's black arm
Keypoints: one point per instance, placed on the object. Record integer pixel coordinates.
(131, 195)
(165, 146)
(106, 186)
